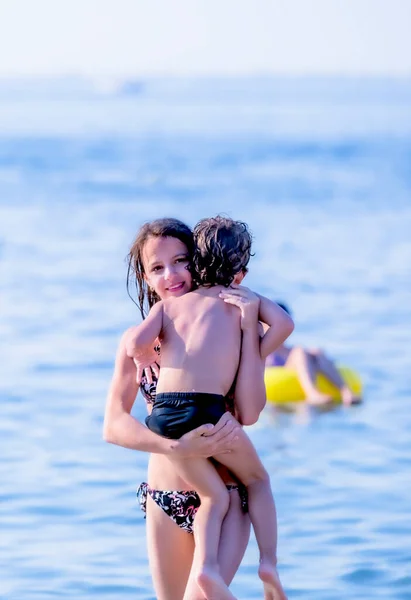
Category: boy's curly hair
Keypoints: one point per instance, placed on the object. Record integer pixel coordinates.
(222, 249)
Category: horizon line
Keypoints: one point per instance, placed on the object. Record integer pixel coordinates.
(209, 75)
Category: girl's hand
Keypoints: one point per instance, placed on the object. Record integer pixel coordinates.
(209, 440)
(147, 364)
(247, 302)
(152, 370)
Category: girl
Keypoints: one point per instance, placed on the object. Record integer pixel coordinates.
(170, 547)
(202, 342)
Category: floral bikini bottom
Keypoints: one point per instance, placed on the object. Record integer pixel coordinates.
(181, 506)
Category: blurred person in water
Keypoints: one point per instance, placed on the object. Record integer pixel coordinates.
(308, 363)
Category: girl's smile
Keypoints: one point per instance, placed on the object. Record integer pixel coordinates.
(166, 265)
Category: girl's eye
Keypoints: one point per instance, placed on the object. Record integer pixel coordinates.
(181, 260)
(156, 268)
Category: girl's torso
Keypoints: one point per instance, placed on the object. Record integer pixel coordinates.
(162, 474)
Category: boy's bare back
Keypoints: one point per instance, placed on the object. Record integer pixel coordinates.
(200, 343)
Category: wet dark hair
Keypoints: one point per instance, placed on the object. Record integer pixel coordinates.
(159, 228)
(284, 307)
(222, 248)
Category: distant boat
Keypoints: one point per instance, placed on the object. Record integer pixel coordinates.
(131, 88)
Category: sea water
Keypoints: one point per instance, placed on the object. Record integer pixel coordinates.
(320, 170)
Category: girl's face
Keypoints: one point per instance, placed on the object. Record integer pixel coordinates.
(166, 261)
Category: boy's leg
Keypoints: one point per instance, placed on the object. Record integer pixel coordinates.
(202, 476)
(235, 535)
(244, 462)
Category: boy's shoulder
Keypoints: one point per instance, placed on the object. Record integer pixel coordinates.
(210, 291)
(174, 303)
(187, 298)
(198, 296)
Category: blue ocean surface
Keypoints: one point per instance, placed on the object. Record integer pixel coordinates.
(320, 170)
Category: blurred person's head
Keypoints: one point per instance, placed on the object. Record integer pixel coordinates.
(284, 307)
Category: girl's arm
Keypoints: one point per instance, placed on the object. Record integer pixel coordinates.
(119, 426)
(249, 393)
(124, 430)
(280, 326)
(142, 337)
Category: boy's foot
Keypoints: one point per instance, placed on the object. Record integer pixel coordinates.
(213, 586)
(319, 399)
(273, 590)
(348, 397)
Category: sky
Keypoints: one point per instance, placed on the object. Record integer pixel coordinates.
(125, 38)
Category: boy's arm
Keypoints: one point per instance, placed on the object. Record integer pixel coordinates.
(141, 337)
(280, 326)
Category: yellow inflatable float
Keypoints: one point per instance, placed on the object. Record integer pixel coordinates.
(282, 385)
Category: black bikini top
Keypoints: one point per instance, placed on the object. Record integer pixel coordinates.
(148, 390)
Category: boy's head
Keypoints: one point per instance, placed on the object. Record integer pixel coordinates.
(222, 249)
